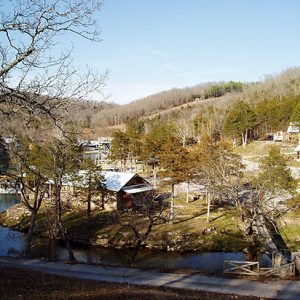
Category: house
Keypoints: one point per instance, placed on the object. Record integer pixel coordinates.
(278, 136)
(293, 128)
(121, 189)
(8, 185)
(125, 187)
(290, 136)
(292, 133)
(97, 150)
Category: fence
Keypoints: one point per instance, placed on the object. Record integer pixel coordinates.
(253, 269)
(241, 267)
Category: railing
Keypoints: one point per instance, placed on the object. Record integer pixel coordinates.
(253, 269)
(241, 267)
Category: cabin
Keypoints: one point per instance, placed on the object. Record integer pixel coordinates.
(292, 133)
(126, 187)
(121, 189)
(97, 150)
(290, 136)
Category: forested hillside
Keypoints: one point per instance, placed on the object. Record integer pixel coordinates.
(204, 106)
(279, 88)
(245, 112)
(164, 101)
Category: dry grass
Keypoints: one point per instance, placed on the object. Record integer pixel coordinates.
(290, 225)
(26, 284)
(190, 230)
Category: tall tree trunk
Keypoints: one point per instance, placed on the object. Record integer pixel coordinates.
(243, 140)
(60, 224)
(154, 175)
(89, 200)
(188, 192)
(233, 142)
(30, 233)
(102, 201)
(135, 251)
(184, 141)
(171, 221)
(66, 240)
(208, 208)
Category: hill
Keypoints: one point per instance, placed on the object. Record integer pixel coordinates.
(101, 118)
(187, 102)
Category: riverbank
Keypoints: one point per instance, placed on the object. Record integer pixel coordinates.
(190, 231)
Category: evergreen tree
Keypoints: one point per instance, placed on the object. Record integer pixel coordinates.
(295, 117)
(275, 176)
(29, 157)
(120, 148)
(173, 161)
(90, 185)
(239, 121)
(153, 142)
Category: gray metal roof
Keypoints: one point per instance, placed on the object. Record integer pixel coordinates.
(138, 188)
(114, 181)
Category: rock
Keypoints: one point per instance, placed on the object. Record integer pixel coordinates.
(170, 248)
(104, 242)
(278, 259)
(295, 257)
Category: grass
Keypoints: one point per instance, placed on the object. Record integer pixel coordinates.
(190, 230)
(255, 149)
(185, 234)
(290, 225)
(28, 284)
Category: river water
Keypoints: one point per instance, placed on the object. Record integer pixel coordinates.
(12, 244)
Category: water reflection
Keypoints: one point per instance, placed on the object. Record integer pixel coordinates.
(12, 244)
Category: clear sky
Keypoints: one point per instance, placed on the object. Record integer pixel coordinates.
(154, 45)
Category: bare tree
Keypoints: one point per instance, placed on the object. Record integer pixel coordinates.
(140, 219)
(63, 159)
(30, 178)
(33, 79)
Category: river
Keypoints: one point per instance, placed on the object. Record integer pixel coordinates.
(12, 244)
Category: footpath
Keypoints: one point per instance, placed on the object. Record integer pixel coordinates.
(271, 289)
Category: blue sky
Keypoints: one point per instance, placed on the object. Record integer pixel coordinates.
(154, 45)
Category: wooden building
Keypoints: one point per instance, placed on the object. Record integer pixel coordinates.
(120, 188)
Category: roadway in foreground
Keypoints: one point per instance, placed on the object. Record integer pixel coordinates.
(272, 289)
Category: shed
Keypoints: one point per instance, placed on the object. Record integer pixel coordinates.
(293, 128)
(125, 186)
(122, 187)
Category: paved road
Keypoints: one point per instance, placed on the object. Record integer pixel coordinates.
(273, 289)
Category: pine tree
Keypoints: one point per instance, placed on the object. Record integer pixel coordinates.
(173, 161)
(239, 121)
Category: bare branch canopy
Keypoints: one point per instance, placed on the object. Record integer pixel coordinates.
(36, 76)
